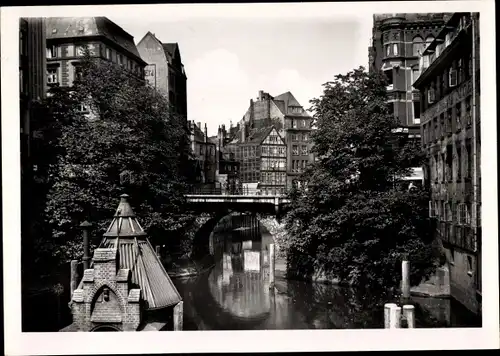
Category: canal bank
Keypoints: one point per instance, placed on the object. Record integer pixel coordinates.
(234, 292)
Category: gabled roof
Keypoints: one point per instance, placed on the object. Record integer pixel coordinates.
(77, 27)
(136, 254)
(288, 98)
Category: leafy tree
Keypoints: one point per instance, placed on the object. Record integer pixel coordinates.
(129, 141)
(351, 218)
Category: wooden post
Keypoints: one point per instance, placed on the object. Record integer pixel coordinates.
(158, 251)
(405, 281)
(409, 315)
(395, 317)
(178, 316)
(271, 265)
(74, 278)
(387, 314)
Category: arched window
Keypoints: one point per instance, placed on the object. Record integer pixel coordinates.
(418, 46)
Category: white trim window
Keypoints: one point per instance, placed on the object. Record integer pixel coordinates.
(295, 150)
(52, 52)
(52, 75)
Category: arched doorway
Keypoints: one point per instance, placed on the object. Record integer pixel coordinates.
(105, 328)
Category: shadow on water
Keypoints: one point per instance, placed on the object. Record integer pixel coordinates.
(235, 294)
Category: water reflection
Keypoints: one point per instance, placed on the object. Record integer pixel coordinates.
(235, 294)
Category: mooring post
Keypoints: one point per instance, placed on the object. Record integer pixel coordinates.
(387, 314)
(271, 265)
(178, 316)
(405, 281)
(395, 317)
(86, 244)
(409, 315)
(74, 278)
(158, 251)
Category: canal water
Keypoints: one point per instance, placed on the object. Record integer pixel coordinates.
(235, 293)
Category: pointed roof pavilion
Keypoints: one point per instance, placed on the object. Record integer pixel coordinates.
(136, 253)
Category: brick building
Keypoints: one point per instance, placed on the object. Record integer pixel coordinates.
(291, 122)
(262, 157)
(127, 287)
(449, 84)
(204, 151)
(398, 40)
(165, 70)
(67, 38)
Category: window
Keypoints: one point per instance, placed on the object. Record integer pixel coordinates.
(294, 124)
(453, 78)
(395, 49)
(448, 217)
(470, 65)
(415, 72)
(468, 147)
(387, 50)
(418, 46)
(416, 112)
(108, 53)
(120, 59)
(431, 95)
(449, 162)
(52, 52)
(265, 150)
(468, 114)
(52, 76)
(295, 150)
(201, 150)
(458, 114)
(78, 74)
(304, 163)
(281, 151)
(304, 151)
(459, 162)
(303, 123)
(463, 216)
(294, 137)
(80, 50)
(305, 137)
(390, 78)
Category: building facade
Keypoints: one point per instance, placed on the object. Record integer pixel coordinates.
(31, 83)
(449, 84)
(228, 168)
(165, 70)
(398, 40)
(204, 151)
(68, 37)
(263, 160)
(293, 125)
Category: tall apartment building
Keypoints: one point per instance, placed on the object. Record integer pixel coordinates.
(228, 168)
(449, 84)
(398, 40)
(292, 124)
(67, 38)
(165, 70)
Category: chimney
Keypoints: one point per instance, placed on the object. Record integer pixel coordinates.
(251, 112)
(199, 125)
(86, 244)
(261, 94)
(243, 133)
(206, 133)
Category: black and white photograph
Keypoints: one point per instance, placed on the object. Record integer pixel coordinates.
(303, 174)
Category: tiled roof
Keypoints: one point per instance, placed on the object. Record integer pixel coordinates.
(288, 98)
(137, 255)
(70, 27)
(147, 272)
(258, 135)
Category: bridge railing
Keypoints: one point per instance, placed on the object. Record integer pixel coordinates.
(211, 190)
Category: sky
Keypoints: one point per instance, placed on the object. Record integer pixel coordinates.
(228, 60)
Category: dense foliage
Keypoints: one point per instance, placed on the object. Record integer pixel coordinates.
(127, 139)
(352, 219)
